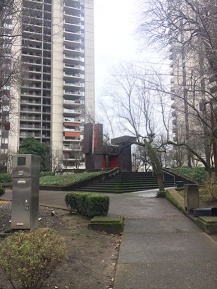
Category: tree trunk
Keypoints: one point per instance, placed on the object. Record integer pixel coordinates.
(155, 164)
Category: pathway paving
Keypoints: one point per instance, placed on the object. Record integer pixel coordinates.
(161, 248)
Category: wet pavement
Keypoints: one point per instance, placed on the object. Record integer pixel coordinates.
(161, 248)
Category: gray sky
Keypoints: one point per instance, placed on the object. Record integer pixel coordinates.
(115, 25)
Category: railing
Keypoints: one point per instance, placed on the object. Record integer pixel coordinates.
(174, 178)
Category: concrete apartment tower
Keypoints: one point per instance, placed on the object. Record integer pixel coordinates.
(56, 50)
(190, 84)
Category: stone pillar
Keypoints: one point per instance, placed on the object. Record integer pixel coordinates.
(191, 197)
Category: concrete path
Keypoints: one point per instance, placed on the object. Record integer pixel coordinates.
(160, 249)
(47, 198)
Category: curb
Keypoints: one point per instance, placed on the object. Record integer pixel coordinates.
(207, 224)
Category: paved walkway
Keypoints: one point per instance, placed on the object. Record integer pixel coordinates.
(161, 248)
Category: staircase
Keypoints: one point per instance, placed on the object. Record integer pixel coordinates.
(129, 182)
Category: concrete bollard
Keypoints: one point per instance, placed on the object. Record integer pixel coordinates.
(191, 197)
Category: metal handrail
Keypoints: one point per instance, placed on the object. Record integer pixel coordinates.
(174, 178)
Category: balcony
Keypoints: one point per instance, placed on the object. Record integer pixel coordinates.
(72, 119)
(74, 67)
(72, 147)
(71, 40)
(32, 134)
(72, 50)
(67, 129)
(72, 139)
(30, 102)
(72, 32)
(69, 16)
(30, 118)
(72, 59)
(73, 84)
(33, 126)
(71, 111)
(32, 110)
(75, 8)
(72, 102)
(32, 85)
(73, 76)
(75, 94)
(72, 134)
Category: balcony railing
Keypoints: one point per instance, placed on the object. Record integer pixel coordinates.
(77, 84)
(72, 40)
(71, 111)
(72, 119)
(76, 102)
(73, 58)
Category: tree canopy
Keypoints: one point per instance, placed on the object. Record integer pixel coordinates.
(31, 146)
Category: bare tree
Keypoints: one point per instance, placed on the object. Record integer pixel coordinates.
(188, 28)
(138, 110)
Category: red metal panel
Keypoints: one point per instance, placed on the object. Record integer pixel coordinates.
(72, 134)
(113, 162)
(71, 124)
(98, 138)
(104, 162)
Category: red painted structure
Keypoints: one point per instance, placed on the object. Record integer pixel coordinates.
(98, 155)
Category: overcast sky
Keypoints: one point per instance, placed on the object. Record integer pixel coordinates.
(115, 25)
(116, 40)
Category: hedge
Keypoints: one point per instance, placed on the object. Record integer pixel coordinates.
(87, 204)
(5, 178)
(2, 191)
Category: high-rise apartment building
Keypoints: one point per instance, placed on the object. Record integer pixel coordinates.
(56, 53)
(190, 84)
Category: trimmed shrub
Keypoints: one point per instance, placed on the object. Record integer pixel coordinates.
(5, 178)
(81, 203)
(2, 191)
(87, 204)
(97, 205)
(28, 259)
(70, 200)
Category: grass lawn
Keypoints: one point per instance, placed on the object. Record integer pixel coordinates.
(67, 179)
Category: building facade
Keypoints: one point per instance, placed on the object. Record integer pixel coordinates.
(190, 88)
(56, 89)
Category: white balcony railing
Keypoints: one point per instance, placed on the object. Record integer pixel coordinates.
(71, 111)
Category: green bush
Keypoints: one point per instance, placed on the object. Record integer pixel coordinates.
(196, 174)
(70, 200)
(28, 259)
(2, 191)
(5, 178)
(87, 204)
(44, 174)
(97, 205)
(67, 179)
(81, 203)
